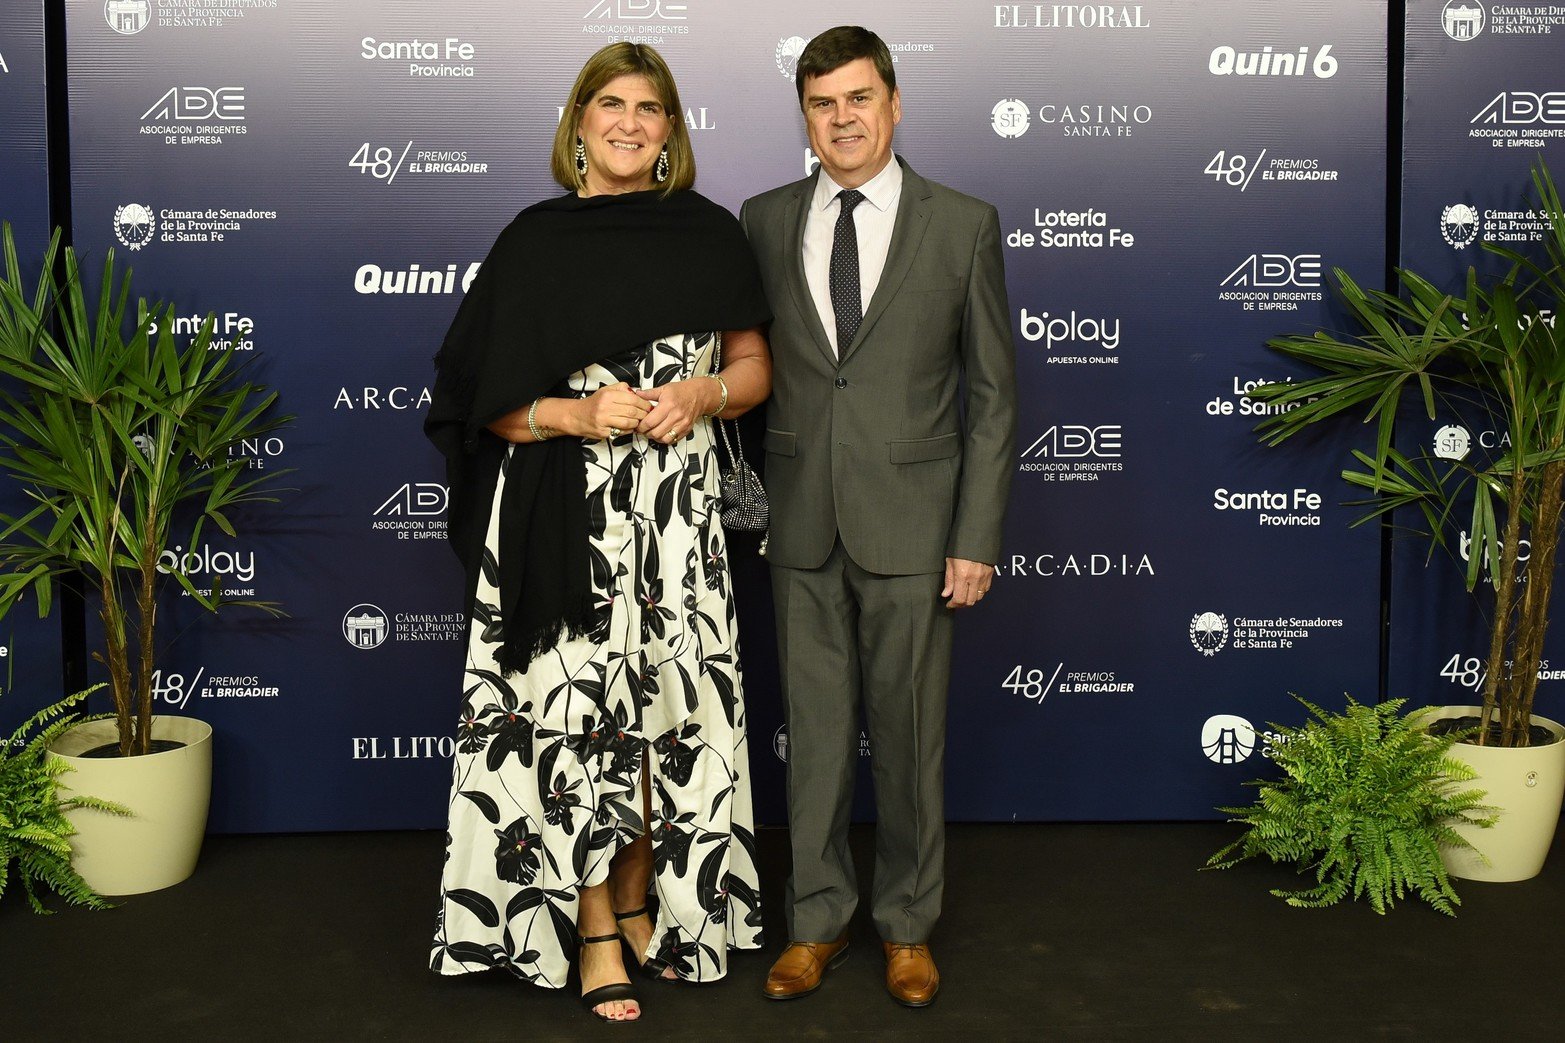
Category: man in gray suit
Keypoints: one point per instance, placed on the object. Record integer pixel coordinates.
(887, 492)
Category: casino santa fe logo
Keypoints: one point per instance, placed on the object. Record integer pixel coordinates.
(1009, 118)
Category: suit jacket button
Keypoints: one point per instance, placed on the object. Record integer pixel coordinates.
(841, 382)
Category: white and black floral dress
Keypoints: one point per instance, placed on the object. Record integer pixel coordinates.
(547, 781)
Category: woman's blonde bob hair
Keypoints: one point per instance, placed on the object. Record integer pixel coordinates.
(624, 59)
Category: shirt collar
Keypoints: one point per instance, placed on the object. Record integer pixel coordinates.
(880, 191)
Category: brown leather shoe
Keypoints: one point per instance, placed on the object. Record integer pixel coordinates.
(802, 966)
(911, 977)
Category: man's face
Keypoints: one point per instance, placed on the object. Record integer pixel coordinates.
(850, 114)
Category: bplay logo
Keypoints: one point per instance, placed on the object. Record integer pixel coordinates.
(1461, 19)
(365, 626)
(1069, 330)
(1009, 118)
(1208, 632)
(204, 561)
(135, 225)
(127, 17)
(1227, 739)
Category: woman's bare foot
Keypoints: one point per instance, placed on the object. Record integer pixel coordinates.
(601, 965)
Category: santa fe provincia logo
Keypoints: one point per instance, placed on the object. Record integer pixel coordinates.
(134, 225)
(1459, 224)
(1208, 632)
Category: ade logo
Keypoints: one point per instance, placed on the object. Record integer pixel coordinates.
(187, 104)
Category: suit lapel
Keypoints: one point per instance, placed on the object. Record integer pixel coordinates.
(793, 222)
(912, 219)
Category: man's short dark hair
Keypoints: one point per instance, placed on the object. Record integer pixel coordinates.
(837, 47)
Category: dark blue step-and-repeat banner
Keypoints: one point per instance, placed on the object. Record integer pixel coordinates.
(1174, 179)
(30, 671)
(1485, 100)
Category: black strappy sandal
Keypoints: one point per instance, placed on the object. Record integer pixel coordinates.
(653, 967)
(620, 990)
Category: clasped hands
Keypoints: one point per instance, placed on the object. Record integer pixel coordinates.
(662, 414)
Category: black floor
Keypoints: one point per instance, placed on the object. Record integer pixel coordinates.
(1050, 932)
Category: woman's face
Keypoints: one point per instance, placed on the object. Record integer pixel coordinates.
(623, 128)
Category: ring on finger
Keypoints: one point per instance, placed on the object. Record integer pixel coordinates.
(615, 432)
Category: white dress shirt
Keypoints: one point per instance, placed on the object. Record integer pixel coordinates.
(874, 220)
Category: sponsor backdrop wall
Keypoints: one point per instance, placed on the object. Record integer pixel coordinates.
(29, 647)
(1485, 99)
(1172, 179)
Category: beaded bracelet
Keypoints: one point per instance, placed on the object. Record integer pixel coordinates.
(540, 434)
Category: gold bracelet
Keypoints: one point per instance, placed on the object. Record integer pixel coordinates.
(540, 434)
(724, 403)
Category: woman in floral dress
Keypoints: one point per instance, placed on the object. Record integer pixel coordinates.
(602, 729)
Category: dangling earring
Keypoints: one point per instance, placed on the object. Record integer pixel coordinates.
(581, 157)
(660, 172)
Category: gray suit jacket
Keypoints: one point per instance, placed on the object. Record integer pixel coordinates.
(874, 446)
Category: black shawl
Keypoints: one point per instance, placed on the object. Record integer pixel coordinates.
(571, 281)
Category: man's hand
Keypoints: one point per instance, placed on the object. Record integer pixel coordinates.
(966, 582)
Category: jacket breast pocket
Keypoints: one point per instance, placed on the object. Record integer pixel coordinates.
(780, 443)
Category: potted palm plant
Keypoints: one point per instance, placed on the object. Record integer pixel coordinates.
(1493, 349)
(121, 439)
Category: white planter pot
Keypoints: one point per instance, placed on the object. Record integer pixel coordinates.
(167, 793)
(1526, 785)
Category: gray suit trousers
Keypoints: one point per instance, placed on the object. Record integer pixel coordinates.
(847, 635)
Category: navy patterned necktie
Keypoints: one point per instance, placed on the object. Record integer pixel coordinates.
(844, 278)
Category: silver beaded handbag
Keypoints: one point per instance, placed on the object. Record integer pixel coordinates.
(743, 497)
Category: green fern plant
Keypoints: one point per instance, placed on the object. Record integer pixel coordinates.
(1367, 800)
(34, 832)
